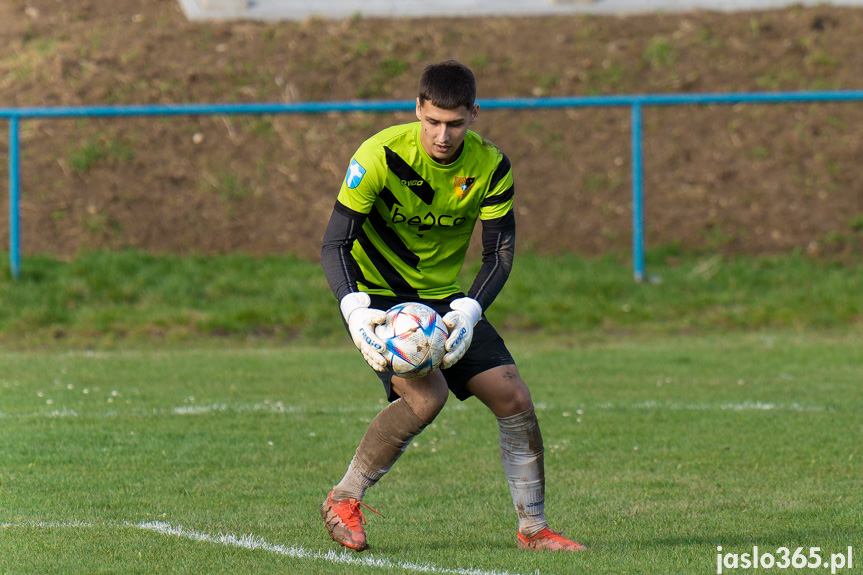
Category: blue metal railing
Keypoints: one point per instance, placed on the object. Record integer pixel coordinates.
(635, 102)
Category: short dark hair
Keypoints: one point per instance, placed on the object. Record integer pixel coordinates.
(447, 85)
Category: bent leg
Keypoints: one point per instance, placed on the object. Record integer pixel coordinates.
(521, 448)
(523, 459)
(502, 390)
(391, 431)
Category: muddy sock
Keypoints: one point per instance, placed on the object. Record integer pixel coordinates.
(387, 437)
(521, 453)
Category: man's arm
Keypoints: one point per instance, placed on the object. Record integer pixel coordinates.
(498, 251)
(343, 229)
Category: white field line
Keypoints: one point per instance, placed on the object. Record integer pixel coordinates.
(280, 408)
(192, 409)
(344, 558)
(729, 406)
(46, 525)
(255, 543)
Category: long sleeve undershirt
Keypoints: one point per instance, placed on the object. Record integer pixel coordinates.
(345, 225)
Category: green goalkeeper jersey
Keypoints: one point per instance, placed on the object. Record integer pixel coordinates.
(421, 214)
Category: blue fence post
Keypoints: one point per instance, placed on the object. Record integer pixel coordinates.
(14, 239)
(637, 196)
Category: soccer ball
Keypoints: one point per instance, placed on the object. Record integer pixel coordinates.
(415, 336)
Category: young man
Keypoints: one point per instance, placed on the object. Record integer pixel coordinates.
(399, 232)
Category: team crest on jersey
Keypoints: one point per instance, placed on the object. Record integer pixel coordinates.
(355, 174)
(463, 185)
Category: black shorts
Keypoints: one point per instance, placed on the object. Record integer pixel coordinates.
(487, 349)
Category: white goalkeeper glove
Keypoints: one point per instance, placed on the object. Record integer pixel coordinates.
(464, 316)
(361, 321)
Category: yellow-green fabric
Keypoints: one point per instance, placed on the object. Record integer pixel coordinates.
(420, 213)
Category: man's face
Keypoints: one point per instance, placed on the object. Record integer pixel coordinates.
(443, 131)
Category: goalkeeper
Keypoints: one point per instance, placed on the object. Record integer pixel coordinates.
(399, 232)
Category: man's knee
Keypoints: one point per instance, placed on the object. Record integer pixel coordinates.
(519, 393)
(503, 390)
(426, 398)
(518, 402)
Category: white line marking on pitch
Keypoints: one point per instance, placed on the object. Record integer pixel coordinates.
(217, 408)
(254, 543)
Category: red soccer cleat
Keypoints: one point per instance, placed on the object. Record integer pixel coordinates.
(548, 540)
(344, 521)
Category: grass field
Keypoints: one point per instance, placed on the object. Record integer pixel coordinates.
(104, 299)
(214, 458)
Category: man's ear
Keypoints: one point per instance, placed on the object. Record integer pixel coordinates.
(419, 107)
(474, 113)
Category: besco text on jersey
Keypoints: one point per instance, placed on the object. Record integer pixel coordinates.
(430, 219)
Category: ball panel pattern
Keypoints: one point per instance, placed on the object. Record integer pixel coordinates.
(415, 336)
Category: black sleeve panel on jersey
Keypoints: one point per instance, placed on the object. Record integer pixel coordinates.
(503, 168)
(342, 230)
(502, 197)
(498, 251)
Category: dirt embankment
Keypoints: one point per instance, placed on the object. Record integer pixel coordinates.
(744, 179)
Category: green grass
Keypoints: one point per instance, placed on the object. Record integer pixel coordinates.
(105, 297)
(89, 153)
(187, 415)
(658, 450)
(108, 297)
